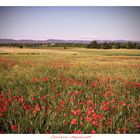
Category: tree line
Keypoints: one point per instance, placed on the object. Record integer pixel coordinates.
(114, 45)
(93, 45)
(46, 45)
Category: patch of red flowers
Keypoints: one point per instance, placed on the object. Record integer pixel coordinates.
(93, 132)
(14, 127)
(37, 108)
(77, 132)
(74, 121)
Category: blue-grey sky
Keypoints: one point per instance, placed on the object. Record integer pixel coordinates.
(70, 23)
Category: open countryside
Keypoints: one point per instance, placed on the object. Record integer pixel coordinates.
(69, 70)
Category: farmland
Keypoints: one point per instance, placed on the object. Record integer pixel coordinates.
(75, 90)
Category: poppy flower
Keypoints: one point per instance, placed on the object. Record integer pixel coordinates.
(73, 112)
(74, 121)
(77, 132)
(14, 127)
(93, 132)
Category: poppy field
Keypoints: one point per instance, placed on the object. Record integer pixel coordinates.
(72, 91)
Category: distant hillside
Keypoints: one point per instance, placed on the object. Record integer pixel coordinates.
(12, 41)
(68, 41)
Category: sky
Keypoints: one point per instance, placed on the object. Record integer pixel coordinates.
(73, 23)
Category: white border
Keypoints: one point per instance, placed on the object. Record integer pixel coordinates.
(70, 136)
(69, 2)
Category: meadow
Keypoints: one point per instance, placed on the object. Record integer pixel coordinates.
(75, 90)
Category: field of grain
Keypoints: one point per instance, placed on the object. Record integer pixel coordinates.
(74, 90)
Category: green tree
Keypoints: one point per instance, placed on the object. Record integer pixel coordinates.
(94, 45)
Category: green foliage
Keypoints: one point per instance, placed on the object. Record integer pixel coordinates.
(93, 45)
(114, 45)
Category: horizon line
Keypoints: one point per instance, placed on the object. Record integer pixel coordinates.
(69, 39)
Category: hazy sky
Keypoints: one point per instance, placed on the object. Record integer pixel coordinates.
(70, 23)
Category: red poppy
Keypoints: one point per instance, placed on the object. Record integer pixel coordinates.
(77, 132)
(137, 84)
(137, 124)
(78, 111)
(93, 84)
(95, 123)
(108, 93)
(86, 119)
(93, 132)
(58, 108)
(14, 127)
(74, 121)
(73, 112)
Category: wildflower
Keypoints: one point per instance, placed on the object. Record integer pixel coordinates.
(82, 124)
(58, 108)
(95, 115)
(78, 83)
(21, 99)
(95, 123)
(77, 132)
(37, 108)
(124, 130)
(78, 111)
(74, 121)
(45, 79)
(33, 98)
(14, 127)
(53, 97)
(108, 93)
(43, 97)
(89, 97)
(33, 79)
(9, 100)
(108, 78)
(43, 107)
(137, 84)
(93, 84)
(95, 104)
(93, 132)
(65, 122)
(105, 108)
(65, 115)
(73, 112)
(122, 103)
(62, 103)
(25, 107)
(81, 117)
(118, 130)
(86, 119)
(88, 102)
(88, 112)
(77, 92)
(137, 125)
(91, 109)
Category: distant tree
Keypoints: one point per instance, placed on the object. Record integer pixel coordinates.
(93, 44)
(138, 46)
(117, 45)
(129, 45)
(105, 45)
